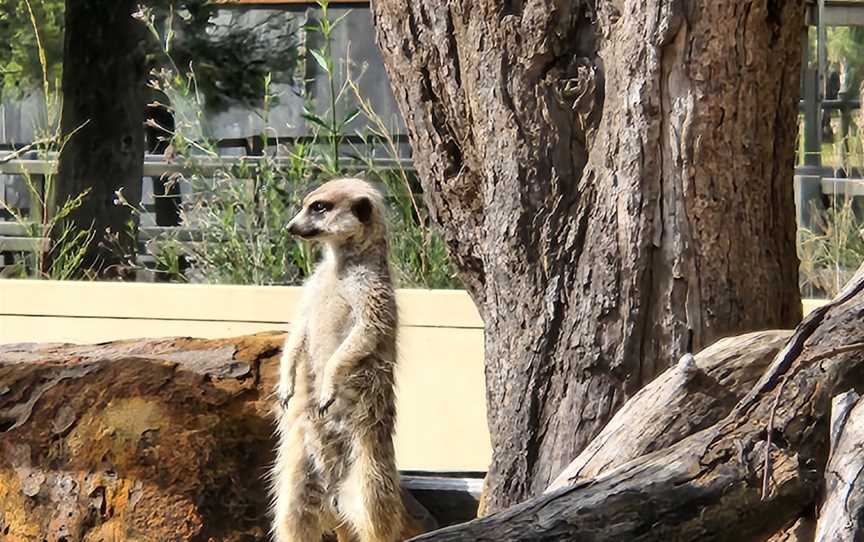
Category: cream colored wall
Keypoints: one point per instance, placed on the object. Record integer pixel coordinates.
(442, 414)
(810, 304)
(442, 407)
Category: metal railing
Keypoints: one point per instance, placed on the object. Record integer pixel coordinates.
(16, 237)
(823, 93)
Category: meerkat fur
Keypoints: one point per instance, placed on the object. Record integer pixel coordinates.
(335, 469)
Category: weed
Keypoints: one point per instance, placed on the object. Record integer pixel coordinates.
(831, 250)
(57, 248)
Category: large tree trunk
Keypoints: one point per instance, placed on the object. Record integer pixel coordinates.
(608, 180)
(102, 117)
(747, 476)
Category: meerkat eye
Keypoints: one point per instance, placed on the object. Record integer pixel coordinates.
(320, 206)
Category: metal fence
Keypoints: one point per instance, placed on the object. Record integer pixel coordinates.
(17, 236)
(823, 93)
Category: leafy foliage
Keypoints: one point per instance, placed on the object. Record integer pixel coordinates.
(230, 59)
(845, 45)
(22, 52)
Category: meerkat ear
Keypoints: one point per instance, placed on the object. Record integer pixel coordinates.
(362, 209)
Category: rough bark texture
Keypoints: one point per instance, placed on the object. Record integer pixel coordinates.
(608, 179)
(145, 441)
(103, 115)
(841, 516)
(695, 394)
(801, 530)
(710, 485)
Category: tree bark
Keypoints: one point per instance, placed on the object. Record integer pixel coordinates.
(102, 126)
(609, 179)
(712, 483)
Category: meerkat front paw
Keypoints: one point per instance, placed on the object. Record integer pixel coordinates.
(325, 399)
(284, 393)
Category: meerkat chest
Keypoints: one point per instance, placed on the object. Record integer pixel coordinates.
(330, 319)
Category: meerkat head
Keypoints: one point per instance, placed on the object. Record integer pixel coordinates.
(339, 211)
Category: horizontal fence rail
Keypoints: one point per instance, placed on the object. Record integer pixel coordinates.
(156, 165)
(19, 238)
(844, 187)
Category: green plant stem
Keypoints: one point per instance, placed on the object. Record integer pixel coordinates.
(334, 128)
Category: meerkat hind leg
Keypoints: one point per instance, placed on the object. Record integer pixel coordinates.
(370, 498)
(297, 503)
(343, 534)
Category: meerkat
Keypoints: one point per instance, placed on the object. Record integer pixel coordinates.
(335, 470)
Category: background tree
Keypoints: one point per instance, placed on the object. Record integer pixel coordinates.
(102, 121)
(610, 179)
(230, 60)
(20, 66)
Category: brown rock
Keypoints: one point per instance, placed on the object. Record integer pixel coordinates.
(136, 440)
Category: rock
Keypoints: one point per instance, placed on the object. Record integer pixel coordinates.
(144, 440)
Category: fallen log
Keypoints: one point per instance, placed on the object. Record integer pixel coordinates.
(841, 516)
(800, 530)
(696, 393)
(710, 484)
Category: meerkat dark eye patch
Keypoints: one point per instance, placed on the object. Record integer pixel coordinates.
(362, 209)
(320, 206)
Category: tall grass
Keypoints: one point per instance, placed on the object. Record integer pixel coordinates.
(419, 253)
(831, 249)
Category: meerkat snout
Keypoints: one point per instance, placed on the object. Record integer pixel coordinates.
(298, 229)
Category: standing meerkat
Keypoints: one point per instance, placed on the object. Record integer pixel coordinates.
(335, 468)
